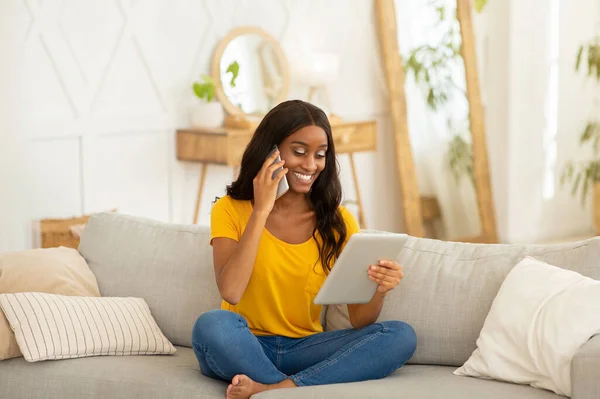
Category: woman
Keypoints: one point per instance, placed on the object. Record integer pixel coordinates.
(271, 256)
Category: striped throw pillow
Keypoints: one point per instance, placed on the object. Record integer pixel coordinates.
(50, 326)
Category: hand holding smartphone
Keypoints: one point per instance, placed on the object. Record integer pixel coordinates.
(283, 185)
(268, 185)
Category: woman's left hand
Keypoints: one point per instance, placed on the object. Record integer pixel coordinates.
(387, 274)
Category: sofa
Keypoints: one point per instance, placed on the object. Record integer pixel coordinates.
(446, 293)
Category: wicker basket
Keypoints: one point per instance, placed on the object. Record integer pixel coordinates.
(58, 232)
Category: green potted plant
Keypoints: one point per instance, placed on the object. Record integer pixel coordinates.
(209, 113)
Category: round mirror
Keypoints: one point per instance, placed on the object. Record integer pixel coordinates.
(250, 71)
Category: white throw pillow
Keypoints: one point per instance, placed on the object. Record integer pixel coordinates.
(540, 317)
(50, 326)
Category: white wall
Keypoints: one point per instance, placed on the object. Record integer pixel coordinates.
(106, 84)
(11, 151)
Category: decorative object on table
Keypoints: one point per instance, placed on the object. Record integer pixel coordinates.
(57, 270)
(207, 113)
(263, 80)
(483, 218)
(317, 72)
(584, 176)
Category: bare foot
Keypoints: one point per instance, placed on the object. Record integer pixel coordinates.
(242, 387)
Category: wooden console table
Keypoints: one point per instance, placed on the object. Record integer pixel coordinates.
(225, 146)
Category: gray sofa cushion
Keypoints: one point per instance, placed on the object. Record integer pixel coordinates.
(178, 376)
(448, 289)
(110, 377)
(168, 265)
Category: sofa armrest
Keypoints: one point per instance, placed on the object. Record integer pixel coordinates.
(585, 371)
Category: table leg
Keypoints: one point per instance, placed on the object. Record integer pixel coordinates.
(200, 189)
(361, 213)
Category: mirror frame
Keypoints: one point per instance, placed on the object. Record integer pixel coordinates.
(395, 76)
(230, 108)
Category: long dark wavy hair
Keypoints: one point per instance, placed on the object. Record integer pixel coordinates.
(326, 193)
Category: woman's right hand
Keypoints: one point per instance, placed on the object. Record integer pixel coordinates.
(265, 187)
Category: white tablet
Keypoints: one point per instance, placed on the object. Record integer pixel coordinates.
(348, 282)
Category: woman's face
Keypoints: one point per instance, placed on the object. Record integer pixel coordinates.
(304, 154)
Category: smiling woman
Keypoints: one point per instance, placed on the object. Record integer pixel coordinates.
(303, 134)
(271, 256)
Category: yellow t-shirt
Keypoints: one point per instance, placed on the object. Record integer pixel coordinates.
(285, 280)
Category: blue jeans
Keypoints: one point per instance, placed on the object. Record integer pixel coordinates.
(225, 347)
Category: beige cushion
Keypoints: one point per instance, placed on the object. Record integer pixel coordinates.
(53, 270)
(50, 326)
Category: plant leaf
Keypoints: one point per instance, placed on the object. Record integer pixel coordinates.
(460, 158)
(591, 57)
(594, 171)
(480, 5)
(234, 68)
(586, 184)
(578, 61)
(567, 173)
(587, 133)
(440, 12)
(200, 90)
(576, 184)
(206, 89)
(431, 99)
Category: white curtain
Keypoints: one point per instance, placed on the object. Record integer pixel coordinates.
(549, 105)
(576, 103)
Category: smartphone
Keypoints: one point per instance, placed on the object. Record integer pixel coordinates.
(283, 186)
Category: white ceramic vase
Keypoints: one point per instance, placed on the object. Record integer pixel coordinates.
(207, 115)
